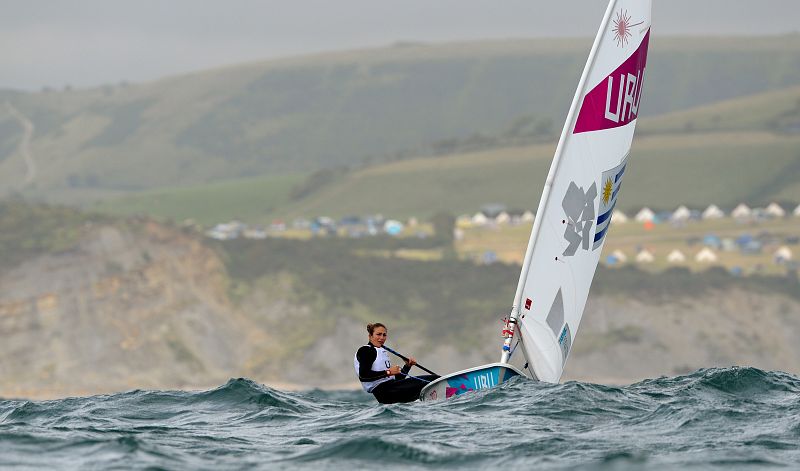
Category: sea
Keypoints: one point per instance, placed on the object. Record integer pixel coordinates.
(721, 418)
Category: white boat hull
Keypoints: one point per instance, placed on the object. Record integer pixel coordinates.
(473, 379)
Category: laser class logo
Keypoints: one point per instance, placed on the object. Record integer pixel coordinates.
(622, 28)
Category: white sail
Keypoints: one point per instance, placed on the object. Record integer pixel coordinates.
(581, 190)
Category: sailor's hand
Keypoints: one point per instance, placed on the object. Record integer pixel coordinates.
(411, 362)
(395, 370)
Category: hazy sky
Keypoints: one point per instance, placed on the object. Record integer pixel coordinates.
(91, 42)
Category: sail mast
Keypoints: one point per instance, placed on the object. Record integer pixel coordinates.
(565, 133)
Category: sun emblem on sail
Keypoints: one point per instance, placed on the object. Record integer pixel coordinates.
(608, 190)
(622, 28)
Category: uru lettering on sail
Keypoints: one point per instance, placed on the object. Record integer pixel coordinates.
(614, 102)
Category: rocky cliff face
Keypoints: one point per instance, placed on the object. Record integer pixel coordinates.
(141, 305)
(624, 339)
(627, 339)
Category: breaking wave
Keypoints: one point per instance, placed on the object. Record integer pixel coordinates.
(723, 418)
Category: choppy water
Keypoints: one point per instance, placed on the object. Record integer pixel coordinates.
(735, 418)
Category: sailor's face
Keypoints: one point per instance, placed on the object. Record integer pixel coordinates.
(378, 336)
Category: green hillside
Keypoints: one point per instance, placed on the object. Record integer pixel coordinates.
(723, 161)
(665, 172)
(300, 115)
(777, 111)
(254, 199)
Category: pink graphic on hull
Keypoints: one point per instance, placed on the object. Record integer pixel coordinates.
(459, 388)
(614, 102)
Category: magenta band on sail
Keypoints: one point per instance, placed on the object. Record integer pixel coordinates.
(614, 102)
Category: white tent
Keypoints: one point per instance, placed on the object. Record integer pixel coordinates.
(645, 215)
(706, 256)
(774, 210)
(479, 219)
(618, 217)
(527, 216)
(619, 255)
(713, 212)
(502, 218)
(783, 254)
(645, 257)
(681, 214)
(676, 256)
(742, 212)
(797, 211)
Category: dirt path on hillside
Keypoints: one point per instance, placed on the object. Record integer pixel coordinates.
(24, 146)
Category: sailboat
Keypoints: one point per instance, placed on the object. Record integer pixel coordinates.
(575, 209)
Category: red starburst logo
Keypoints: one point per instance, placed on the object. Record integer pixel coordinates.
(622, 28)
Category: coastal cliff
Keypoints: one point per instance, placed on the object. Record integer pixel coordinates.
(147, 305)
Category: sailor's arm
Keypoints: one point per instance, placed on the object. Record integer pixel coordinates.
(409, 363)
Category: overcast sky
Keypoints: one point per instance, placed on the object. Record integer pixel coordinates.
(91, 42)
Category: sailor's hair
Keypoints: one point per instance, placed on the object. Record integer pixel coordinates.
(371, 327)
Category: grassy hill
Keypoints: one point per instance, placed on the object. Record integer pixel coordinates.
(777, 111)
(723, 161)
(300, 115)
(723, 168)
(666, 171)
(254, 199)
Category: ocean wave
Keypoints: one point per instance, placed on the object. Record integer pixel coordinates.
(722, 418)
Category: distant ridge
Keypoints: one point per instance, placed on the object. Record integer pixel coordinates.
(348, 109)
(717, 142)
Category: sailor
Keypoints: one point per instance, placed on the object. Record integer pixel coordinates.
(390, 384)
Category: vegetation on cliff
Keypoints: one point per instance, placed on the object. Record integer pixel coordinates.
(451, 293)
(162, 318)
(29, 229)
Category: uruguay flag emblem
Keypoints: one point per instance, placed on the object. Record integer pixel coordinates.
(611, 182)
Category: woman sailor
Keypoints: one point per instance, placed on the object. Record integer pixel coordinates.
(379, 377)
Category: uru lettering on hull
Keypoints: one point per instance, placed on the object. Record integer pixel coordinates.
(468, 380)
